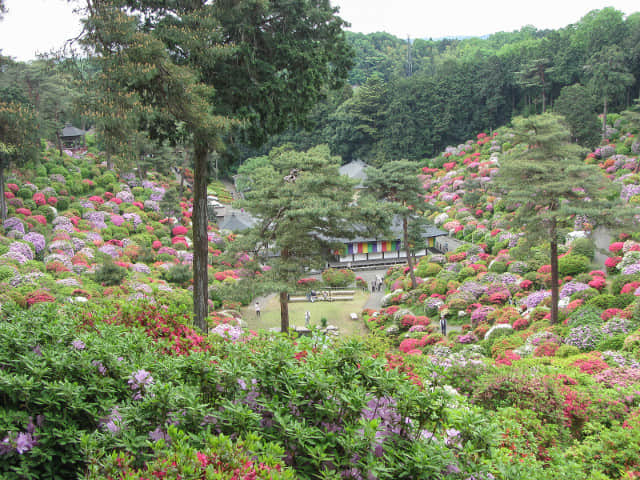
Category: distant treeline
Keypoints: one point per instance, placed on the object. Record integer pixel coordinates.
(404, 98)
(412, 99)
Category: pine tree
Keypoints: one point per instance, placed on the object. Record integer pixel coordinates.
(397, 182)
(546, 178)
(209, 65)
(19, 140)
(303, 207)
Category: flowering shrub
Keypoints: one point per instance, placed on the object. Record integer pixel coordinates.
(521, 324)
(467, 338)
(616, 247)
(308, 282)
(507, 358)
(179, 230)
(611, 263)
(534, 299)
(222, 457)
(585, 337)
(39, 296)
(409, 344)
(546, 349)
(598, 283)
(591, 365)
(166, 327)
(618, 377)
(338, 278)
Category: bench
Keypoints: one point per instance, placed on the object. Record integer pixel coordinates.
(332, 298)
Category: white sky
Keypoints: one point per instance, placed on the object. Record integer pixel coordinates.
(38, 26)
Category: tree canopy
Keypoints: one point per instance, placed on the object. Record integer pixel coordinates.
(546, 182)
(397, 182)
(256, 65)
(303, 208)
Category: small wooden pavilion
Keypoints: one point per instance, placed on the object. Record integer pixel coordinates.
(72, 137)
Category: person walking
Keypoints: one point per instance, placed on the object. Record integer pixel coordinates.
(257, 309)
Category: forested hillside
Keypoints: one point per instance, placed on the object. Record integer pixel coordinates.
(412, 100)
(402, 99)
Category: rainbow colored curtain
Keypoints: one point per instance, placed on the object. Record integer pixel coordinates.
(370, 247)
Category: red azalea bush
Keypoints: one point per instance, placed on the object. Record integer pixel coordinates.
(164, 326)
(611, 262)
(308, 282)
(591, 365)
(40, 219)
(598, 283)
(182, 240)
(56, 267)
(499, 298)
(39, 199)
(609, 313)
(575, 304)
(39, 296)
(23, 211)
(338, 277)
(179, 230)
(396, 362)
(409, 344)
(521, 324)
(615, 247)
(630, 287)
(507, 358)
(457, 257)
(526, 284)
(546, 349)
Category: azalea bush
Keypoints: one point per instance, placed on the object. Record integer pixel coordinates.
(129, 402)
(338, 277)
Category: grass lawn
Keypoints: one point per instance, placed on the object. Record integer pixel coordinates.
(336, 313)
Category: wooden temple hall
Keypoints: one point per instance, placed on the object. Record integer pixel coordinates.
(368, 252)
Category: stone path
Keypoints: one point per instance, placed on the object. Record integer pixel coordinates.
(375, 298)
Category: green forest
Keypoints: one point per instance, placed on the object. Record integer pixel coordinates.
(143, 337)
(400, 99)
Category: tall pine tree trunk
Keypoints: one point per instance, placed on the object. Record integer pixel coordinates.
(109, 159)
(200, 238)
(284, 299)
(405, 228)
(59, 142)
(284, 312)
(604, 119)
(3, 202)
(184, 170)
(554, 272)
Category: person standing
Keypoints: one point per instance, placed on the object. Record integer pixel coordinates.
(307, 318)
(443, 325)
(257, 309)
